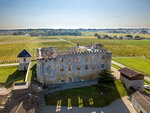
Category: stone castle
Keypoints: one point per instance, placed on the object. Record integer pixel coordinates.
(78, 63)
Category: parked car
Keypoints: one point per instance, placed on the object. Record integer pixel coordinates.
(147, 87)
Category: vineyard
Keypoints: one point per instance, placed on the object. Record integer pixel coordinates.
(10, 50)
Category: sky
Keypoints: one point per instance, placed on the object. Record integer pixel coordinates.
(20, 14)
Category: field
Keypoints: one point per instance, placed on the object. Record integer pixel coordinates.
(120, 48)
(100, 95)
(138, 63)
(115, 34)
(9, 75)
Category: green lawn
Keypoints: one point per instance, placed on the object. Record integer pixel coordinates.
(115, 66)
(32, 71)
(93, 96)
(9, 75)
(140, 64)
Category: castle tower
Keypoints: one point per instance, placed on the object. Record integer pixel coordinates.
(24, 60)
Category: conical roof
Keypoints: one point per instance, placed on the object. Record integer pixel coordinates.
(24, 53)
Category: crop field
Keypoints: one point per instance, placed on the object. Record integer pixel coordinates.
(137, 63)
(114, 34)
(120, 48)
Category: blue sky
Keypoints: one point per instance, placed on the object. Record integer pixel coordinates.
(74, 13)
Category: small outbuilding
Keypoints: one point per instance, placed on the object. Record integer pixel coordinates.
(24, 60)
(132, 79)
(141, 102)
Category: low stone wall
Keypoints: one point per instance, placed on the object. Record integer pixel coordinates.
(59, 87)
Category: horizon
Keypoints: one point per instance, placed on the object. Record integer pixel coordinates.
(74, 14)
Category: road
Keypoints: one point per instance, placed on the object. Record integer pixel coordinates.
(122, 66)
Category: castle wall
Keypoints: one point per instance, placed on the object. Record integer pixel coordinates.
(72, 67)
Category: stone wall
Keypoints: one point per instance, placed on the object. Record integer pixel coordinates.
(137, 84)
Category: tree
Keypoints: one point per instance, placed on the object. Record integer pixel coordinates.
(129, 36)
(106, 36)
(105, 76)
(96, 35)
(143, 31)
(19, 33)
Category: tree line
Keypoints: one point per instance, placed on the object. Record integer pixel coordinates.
(49, 33)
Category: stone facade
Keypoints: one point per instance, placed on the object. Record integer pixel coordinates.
(76, 64)
(23, 63)
(24, 60)
(131, 78)
(136, 84)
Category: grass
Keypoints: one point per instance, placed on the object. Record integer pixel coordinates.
(10, 74)
(115, 66)
(100, 95)
(32, 71)
(138, 63)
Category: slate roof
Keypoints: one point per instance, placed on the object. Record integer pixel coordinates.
(24, 53)
(143, 99)
(129, 72)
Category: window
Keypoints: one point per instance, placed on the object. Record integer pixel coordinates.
(78, 67)
(93, 57)
(103, 56)
(62, 69)
(24, 59)
(102, 65)
(86, 67)
(70, 68)
(93, 66)
(78, 59)
(86, 59)
(70, 59)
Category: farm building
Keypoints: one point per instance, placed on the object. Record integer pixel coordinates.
(132, 78)
(24, 60)
(75, 64)
(141, 102)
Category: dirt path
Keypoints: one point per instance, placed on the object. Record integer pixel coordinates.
(51, 40)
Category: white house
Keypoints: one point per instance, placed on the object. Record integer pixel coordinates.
(131, 78)
(24, 60)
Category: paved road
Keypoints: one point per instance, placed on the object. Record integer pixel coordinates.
(116, 73)
(122, 66)
(117, 106)
(10, 64)
(118, 64)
